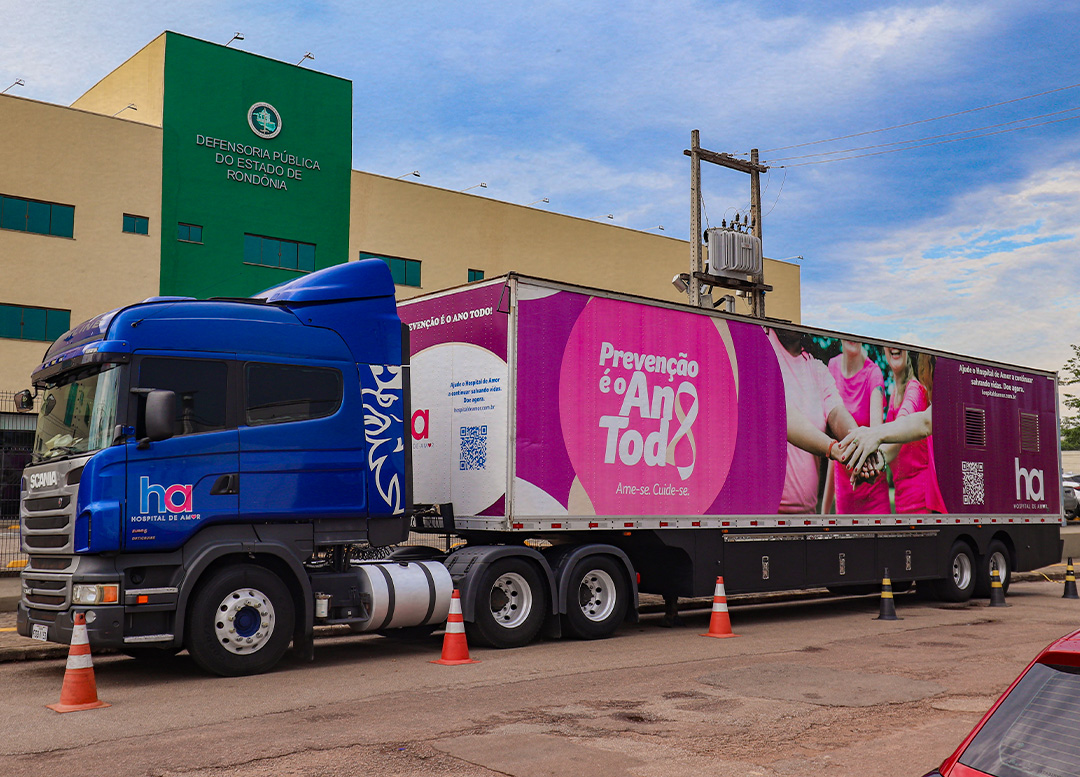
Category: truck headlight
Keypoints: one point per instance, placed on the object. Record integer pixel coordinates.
(95, 594)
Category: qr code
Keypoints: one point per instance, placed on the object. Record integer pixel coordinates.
(473, 447)
(973, 482)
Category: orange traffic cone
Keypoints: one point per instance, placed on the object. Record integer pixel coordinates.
(79, 691)
(455, 650)
(720, 623)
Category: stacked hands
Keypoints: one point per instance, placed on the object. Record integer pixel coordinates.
(861, 455)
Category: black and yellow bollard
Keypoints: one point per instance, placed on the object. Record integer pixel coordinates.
(888, 607)
(997, 591)
(1070, 582)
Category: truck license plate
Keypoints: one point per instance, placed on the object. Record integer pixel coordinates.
(40, 632)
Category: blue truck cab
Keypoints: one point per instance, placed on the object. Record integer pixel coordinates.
(200, 457)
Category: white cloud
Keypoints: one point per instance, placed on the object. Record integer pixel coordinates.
(995, 276)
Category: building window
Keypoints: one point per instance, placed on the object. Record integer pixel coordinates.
(137, 225)
(22, 323)
(405, 272)
(42, 218)
(272, 252)
(476, 275)
(189, 233)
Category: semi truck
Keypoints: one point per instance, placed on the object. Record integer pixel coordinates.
(224, 475)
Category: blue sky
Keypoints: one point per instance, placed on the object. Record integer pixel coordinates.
(968, 246)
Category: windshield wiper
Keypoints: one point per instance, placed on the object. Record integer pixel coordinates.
(62, 449)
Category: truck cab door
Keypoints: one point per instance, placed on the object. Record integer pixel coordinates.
(302, 450)
(177, 485)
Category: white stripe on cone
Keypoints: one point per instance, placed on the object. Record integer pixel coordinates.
(80, 662)
(78, 635)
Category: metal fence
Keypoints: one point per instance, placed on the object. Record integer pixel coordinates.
(15, 446)
(16, 442)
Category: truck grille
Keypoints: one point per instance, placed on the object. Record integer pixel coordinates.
(47, 515)
(48, 593)
(48, 519)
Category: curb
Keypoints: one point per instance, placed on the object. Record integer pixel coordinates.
(44, 652)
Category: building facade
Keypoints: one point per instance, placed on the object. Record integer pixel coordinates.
(199, 170)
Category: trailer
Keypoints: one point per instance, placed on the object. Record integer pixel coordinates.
(222, 476)
(576, 416)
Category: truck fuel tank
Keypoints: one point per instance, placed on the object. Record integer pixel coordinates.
(376, 595)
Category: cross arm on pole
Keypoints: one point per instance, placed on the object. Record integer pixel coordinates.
(726, 160)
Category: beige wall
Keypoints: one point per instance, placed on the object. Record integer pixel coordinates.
(105, 167)
(140, 80)
(450, 233)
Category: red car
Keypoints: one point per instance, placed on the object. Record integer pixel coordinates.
(1033, 730)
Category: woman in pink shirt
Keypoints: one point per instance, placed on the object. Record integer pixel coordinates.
(906, 438)
(816, 419)
(862, 390)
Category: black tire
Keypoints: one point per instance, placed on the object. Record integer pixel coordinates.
(958, 582)
(997, 552)
(511, 602)
(596, 598)
(240, 621)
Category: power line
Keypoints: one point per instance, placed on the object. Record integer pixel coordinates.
(924, 121)
(778, 193)
(931, 137)
(924, 145)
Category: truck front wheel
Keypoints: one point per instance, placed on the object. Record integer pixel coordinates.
(598, 597)
(511, 602)
(240, 621)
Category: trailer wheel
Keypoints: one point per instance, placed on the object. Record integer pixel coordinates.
(511, 602)
(240, 621)
(996, 553)
(959, 581)
(597, 598)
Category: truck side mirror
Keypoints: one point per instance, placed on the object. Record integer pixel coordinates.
(24, 401)
(160, 409)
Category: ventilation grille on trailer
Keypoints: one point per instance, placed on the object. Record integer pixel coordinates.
(975, 427)
(1029, 432)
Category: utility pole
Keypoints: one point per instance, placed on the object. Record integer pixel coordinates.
(696, 263)
(754, 169)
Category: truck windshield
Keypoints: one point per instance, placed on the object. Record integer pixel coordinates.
(77, 412)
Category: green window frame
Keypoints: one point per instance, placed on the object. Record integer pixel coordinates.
(476, 275)
(19, 322)
(136, 225)
(189, 233)
(405, 272)
(37, 216)
(276, 252)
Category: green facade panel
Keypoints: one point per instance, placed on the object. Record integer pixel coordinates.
(251, 146)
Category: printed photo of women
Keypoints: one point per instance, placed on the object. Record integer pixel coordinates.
(862, 390)
(905, 440)
(816, 420)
